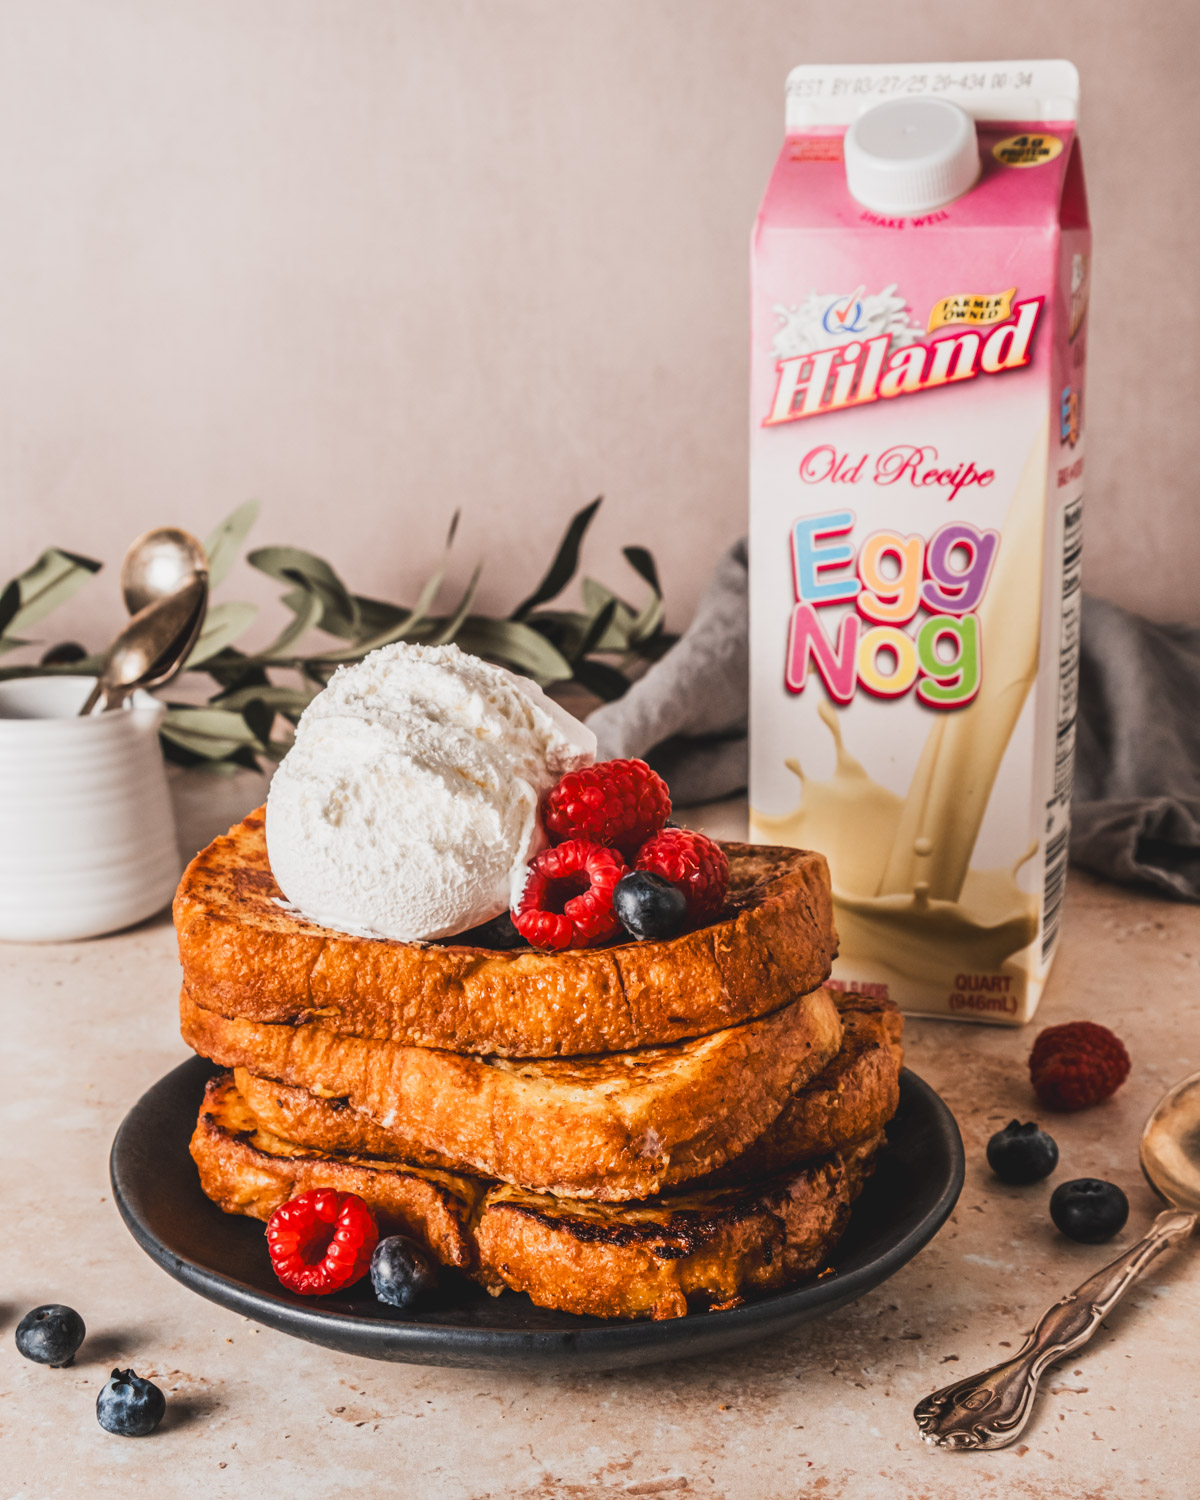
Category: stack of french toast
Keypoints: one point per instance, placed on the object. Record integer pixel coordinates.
(635, 1130)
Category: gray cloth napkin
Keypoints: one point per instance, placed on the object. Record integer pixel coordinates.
(1136, 807)
(1135, 815)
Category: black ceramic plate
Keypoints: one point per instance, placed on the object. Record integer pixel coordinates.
(223, 1257)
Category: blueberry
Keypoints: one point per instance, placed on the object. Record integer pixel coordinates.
(648, 905)
(401, 1272)
(500, 932)
(129, 1405)
(1089, 1210)
(1022, 1153)
(50, 1335)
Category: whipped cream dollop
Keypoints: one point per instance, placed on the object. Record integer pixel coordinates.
(408, 806)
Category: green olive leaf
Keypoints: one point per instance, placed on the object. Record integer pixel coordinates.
(210, 733)
(294, 566)
(596, 630)
(599, 678)
(515, 645)
(455, 623)
(616, 637)
(566, 561)
(433, 587)
(222, 626)
(225, 542)
(10, 603)
(305, 604)
(651, 618)
(45, 585)
(282, 700)
(378, 616)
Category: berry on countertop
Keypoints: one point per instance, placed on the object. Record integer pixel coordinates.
(692, 861)
(1078, 1064)
(321, 1241)
(649, 906)
(568, 898)
(1020, 1154)
(1088, 1209)
(621, 803)
(130, 1406)
(50, 1335)
(401, 1272)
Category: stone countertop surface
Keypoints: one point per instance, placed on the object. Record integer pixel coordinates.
(824, 1412)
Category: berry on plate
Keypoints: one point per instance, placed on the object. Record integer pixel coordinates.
(1020, 1154)
(1078, 1064)
(50, 1335)
(568, 899)
(621, 803)
(401, 1272)
(500, 933)
(1089, 1209)
(129, 1405)
(693, 862)
(321, 1241)
(649, 906)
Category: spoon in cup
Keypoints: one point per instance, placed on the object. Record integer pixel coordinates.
(153, 646)
(991, 1409)
(157, 563)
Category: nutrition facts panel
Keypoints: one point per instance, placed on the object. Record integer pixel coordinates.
(1058, 809)
(1068, 647)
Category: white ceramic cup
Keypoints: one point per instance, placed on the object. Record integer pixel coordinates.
(87, 838)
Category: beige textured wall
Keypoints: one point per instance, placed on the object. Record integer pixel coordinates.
(370, 260)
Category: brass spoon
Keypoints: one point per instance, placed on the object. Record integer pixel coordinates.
(153, 646)
(991, 1409)
(158, 563)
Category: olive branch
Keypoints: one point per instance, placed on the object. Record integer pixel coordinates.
(597, 648)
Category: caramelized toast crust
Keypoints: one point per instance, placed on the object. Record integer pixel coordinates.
(618, 1126)
(850, 1100)
(244, 955)
(247, 1170)
(652, 1259)
(683, 1250)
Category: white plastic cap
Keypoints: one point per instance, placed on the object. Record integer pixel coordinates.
(911, 155)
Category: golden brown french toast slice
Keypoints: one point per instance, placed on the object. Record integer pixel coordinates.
(245, 955)
(656, 1259)
(619, 1126)
(684, 1250)
(850, 1100)
(247, 1170)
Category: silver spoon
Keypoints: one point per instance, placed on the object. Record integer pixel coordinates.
(991, 1409)
(153, 646)
(157, 563)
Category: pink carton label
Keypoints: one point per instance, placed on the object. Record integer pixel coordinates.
(916, 487)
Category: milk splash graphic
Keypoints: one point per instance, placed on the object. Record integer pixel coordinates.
(924, 626)
(905, 895)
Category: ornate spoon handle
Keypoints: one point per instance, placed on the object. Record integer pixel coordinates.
(989, 1410)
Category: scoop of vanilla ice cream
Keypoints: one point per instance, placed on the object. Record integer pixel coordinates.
(408, 806)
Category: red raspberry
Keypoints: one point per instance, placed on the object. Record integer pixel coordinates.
(321, 1241)
(1078, 1064)
(621, 803)
(568, 899)
(692, 861)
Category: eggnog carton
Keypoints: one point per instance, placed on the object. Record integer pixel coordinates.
(920, 278)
